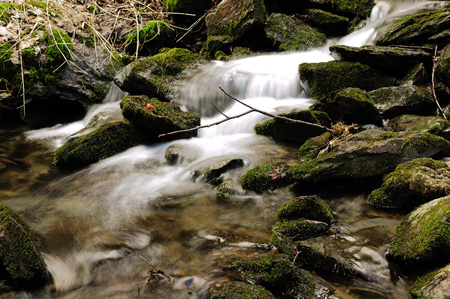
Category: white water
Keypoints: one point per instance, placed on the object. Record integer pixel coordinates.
(97, 207)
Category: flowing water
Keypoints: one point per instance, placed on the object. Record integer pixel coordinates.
(102, 227)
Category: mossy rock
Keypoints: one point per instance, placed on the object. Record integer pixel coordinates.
(436, 125)
(198, 7)
(300, 229)
(412, 183)
(364, 156)
(326, 77)
(264, 177)
(313, 146)
(276, 274)
(163, 118)
(154, 76)
(310, 207)
(349, 105)
(152, 36)
(288, 33)
(238, 290)
(407, 99)
(327, 22)
(358, 8)
(426, 29)
(106, 141)
(433, 285)
(423, 238)
(443, 66)
(284, 130)
(22, 262)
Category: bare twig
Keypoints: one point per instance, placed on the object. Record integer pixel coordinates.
(22, 73)
(433, 83)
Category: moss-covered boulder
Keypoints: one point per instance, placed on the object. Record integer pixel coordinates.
(300, 229)
(277, 274)
(430, 28)
(284, 130)
(106, 141)
(264, 177)
(327, 22)
(434, 285)
(326, 77)
(154, 76)
(363, 156)
(422, 239)
(436, 125)
(387, 59)
(358, 8)
(412, 184)
(154, 117)
(22, 264)
(310, 207)
(238, 290)
(443, 66)
(406, 99)
(288, 33)
(349, 105)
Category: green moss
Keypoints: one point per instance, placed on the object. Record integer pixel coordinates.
(311, 148)
(59, 49)
(239, 290)
(153, 33)
(300, 229)
(5, 11)
(310, 207)
(361, 8)
(264, 177)
(417, 288)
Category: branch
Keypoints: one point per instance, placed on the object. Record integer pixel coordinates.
(433, 83)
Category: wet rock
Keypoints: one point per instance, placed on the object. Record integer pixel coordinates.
(443, 66)
(406, 99)
(294, 132)
(288, 33)
(22, 263)
(215, 171)
(154, 117)
(264, 177)
(237, 290)
(387, 59)
(434, 285)
(106, 141)
(412, 183)
(277, 274)
(155, 75)
(436, 125)
(326, 22)
(326, 77)
(300, 229)
(429, 28)
(365, 155)
(310, 207)
(417, 75)
(422, 239)
(349, 105)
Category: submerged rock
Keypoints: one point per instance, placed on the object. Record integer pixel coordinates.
(412, 183)
(239, 290)
(22, 263)
(422, 238)
(434, 285)
(212, 173)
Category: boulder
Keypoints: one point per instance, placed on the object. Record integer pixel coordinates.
(326, 22)
(22, 262)
(264, 177)
(406, 99)
(422, 238)
(349, 105)
(238, 290)
(362, 156)
(430, 28)
(283, 130)
(154, 117)
(106, 141)
(212, 174)
(360, 9)
(154, 76)
(300, 229)
(392, 60)
(443, 66)
(436, 125)
(326, 77)
(434, 285)
(412, 184)
(288, 33)
(310, 207)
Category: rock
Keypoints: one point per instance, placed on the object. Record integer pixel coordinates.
(22, 263)
(429, 28)
(152, 36)
(349, 105)
(310, 207)
(198, 7)
(277, 275)
(288, 33)
(422, 238)
(161, 118)
(238, 290)
(326, 77)
(417, 75)
(264, 177)
(406, 99)
(443, 66)
(106, 141)
(294, 132)
(434, 285)
(436, 125)
(155, 75)
(215, 171)
(358, 8)
(412, 184)
(392, 60)
(300, 229)
(326, 22)
(363, 156)
(232, 20)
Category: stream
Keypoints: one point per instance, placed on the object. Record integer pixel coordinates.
(104, 227)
